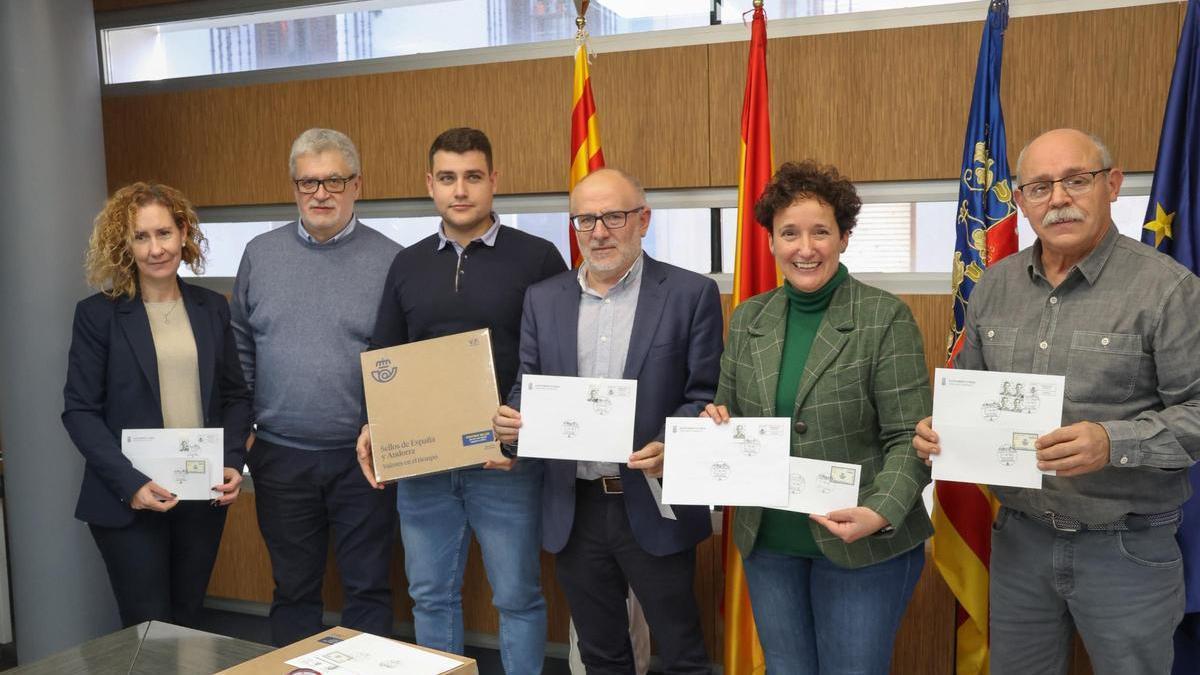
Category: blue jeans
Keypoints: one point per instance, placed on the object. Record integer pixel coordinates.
(1122, 591)
(815, 617)
(503, 509)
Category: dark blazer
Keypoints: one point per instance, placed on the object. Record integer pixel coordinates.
(674, 354)
(112, 384)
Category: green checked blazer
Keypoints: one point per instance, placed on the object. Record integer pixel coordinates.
(863, 390)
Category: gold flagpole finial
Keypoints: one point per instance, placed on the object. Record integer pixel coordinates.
(758, 4)
(581, 7)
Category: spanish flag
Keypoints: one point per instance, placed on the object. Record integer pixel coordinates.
(754, 272)
(586, 155)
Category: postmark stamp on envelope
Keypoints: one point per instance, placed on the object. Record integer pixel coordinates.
(1023, 441)
(842, 475)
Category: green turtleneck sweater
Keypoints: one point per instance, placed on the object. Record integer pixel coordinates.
(784, 531)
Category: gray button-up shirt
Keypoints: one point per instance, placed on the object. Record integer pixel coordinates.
(605, 326)
(1122, 328)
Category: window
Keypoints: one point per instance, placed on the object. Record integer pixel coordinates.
(678, 236)
(351, 31)
(894, 237)
(158, 48)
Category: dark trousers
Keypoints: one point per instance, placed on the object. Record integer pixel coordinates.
(600, 561)
(159, 564)
(299, 496)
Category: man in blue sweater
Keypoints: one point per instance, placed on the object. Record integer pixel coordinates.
(471, 274)
(303, 307)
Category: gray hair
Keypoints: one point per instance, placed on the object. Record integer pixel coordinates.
(317, 140)
(1106, 160)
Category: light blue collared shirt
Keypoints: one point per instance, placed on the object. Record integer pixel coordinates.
(308, 238)
(488, 238)
(605, 328)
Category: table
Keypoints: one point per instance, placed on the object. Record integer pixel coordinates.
(149, 648)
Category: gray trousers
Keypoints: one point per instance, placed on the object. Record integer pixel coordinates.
(1123, 592)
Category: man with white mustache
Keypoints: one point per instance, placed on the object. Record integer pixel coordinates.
(623, 315)
(1095, 548)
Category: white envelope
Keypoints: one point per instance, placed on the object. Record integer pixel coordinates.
(188, 462)
(743, 462)
(368, 654)
(987, 423)
(818, 486)
(581, 418)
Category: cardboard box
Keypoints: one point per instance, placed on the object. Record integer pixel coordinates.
(430, 405)
(275, 663)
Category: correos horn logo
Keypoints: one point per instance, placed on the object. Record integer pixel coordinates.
(384, 371)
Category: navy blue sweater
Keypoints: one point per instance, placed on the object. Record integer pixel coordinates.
(422, 299)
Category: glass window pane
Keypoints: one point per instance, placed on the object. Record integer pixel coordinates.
(352, 31)
(935, 233)
(882, 239)
(732, 10)
(681, 237)
(677, 236)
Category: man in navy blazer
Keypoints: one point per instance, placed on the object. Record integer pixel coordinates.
(623, 315)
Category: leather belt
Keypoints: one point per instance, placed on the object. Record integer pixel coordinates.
(1130, 522)
(607, 485)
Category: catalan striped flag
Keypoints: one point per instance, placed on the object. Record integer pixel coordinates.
(754, 272)
(586, 155)
(986, 232)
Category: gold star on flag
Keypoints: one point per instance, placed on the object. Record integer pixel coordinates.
(1161, 225)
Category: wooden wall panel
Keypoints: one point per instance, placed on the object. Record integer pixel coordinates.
(1062, 70)
(229, 146)
(882, 105)
(877, 104)
(892, 104)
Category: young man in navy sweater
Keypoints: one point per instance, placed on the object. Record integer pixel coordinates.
(471, 274)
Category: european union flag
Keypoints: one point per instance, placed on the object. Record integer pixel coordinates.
(1171, 227)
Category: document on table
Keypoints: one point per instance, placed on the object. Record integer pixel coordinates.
(987, 423)
(368, 654)
(818, 486)
(188, 462)
(583, 418)
(743, 462)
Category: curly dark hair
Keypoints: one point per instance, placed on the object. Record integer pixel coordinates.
(808, 180)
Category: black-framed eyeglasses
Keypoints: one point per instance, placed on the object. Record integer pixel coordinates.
(333, 184)
(613, 220)
(1076, 185)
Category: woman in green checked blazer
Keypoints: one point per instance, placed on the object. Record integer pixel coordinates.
(845, 362)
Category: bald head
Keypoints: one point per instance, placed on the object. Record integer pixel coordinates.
(1059, 142)
(610, 180)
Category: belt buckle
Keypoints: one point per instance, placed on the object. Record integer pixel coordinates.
(1055, 519)
(611, 485)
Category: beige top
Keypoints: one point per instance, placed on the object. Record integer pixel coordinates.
(178, 371)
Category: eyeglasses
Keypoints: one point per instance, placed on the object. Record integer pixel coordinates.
(1076, 185)
(613, 220)
(333, 185)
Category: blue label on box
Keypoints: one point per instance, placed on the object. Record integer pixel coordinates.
(478, 437)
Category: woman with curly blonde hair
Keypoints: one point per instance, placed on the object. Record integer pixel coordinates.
(150, 351)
